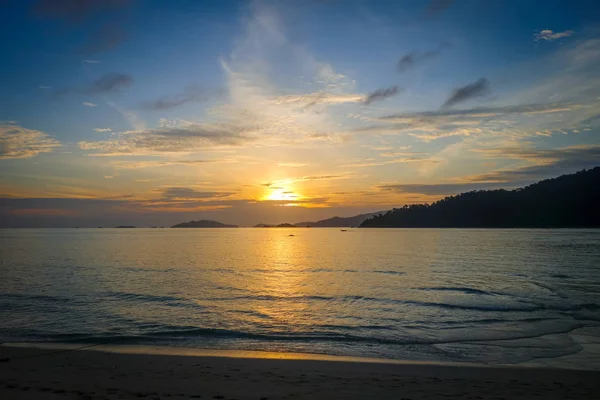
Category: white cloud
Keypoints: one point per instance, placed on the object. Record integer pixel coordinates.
(91, 61)
(549, 35)
(45, 87)
(103, 129)
(88, 104)
(19, 142)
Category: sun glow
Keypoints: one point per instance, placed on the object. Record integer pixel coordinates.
(282, 194)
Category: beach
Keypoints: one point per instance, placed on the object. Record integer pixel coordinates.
(133, 373)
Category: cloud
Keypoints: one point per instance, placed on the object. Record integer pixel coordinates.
(546, 162)
(291, 165)
(191, 94)
(550, 35)
(437, 7)
(382, 94)
(91, 61)
(111, 82)
(184, 193)
(88, 104)
(479, 88)
(19, 142)
(412, 59)
(45, 87)
(106, 38)
(310, 99)
(103, 129)
(108, 83)
(182, 136)
(77, 13)
(154, 164)
(441, 188)
(431, 125)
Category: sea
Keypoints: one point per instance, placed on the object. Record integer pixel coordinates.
(489, 296)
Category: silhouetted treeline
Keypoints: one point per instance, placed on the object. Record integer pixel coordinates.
(567, 201)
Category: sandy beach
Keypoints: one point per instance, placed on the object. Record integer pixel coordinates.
(32, 373)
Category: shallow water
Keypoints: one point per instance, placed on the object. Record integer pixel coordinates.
(466, 295)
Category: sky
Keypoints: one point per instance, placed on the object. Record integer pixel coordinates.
(147, 112)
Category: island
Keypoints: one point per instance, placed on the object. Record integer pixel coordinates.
(569, 201)
(205, 223)
(125, 226)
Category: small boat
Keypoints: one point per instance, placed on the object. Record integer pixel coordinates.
(344, 230)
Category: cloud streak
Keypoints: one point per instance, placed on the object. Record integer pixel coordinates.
(415, 58)
(479, 88)
(191, 94)
(382, 94)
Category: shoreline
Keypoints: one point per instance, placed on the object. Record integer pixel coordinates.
(100, 374)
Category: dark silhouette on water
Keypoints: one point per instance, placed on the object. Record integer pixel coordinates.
(569, 201)
(205, 223)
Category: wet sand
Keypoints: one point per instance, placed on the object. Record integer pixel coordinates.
(94, 374)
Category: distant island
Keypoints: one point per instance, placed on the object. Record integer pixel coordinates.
(333, 222)
(203, 224)
(338, 222)
(569, 201)
(284, 225)
(125, 226)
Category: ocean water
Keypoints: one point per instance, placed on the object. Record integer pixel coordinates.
(466, 295)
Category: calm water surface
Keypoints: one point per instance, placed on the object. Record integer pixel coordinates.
(493, 296)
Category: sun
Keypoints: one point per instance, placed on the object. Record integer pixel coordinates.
(281, 194)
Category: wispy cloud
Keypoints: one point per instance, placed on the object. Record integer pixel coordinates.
(479, 88)
(91, 61)
(19, 142)
(111, 82)
(415, 58)
(382, 94)
(184, 193)
(550, 35)
(45, 87)
(436, 7)
(180, 137)
(291, 165)
(103, 129)
(88, 104)
(191, 94)
(442, 188)
(76, 13)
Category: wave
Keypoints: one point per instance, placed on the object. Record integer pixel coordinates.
(466, 290)
(184, 334)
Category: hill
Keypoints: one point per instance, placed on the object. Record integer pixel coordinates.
(284, 225)
(569, 201)
(203, 224)
(338, 222)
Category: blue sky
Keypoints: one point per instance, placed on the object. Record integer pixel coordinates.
(258, 111)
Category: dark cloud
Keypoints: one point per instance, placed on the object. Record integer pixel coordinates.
(382, 94)
(76, 11)
(443, 188)
(189, 193)
(191, 94)
(436, 7)
(104, 21)
(412, 59)
(110, 82)
(547, 162)
(106, 38)
(479, 88)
